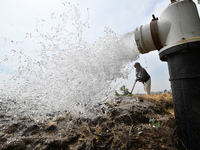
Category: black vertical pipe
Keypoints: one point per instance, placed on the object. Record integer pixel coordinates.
(184, 70)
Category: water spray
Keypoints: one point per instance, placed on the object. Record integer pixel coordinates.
(176, 36)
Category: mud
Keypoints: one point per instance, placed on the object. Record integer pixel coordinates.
(123, 125)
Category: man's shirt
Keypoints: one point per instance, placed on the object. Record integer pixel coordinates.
(142, 75)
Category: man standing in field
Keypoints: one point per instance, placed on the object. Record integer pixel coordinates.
(144, 77)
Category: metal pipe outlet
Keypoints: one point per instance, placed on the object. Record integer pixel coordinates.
(177, 37)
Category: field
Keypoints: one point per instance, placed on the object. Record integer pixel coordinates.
(124, 122)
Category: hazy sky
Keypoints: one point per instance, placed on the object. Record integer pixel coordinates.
(19, 17)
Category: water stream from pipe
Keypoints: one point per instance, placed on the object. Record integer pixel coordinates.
(63, 72)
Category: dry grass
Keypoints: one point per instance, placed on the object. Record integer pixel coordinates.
(165, 97)
(165, 101)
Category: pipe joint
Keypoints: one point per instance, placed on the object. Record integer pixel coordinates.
(179, 23)
(152, 36)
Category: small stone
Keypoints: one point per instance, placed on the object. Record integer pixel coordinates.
(51, 126)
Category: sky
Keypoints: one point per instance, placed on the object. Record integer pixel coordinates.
(19, 17)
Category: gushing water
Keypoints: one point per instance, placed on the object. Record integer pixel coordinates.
(63, 72)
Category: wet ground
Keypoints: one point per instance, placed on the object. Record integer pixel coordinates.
(129, 122)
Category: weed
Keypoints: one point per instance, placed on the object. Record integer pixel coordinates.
(153, 124)
(124, 91)
(117, 94)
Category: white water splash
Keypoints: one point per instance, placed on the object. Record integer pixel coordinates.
(66, 73)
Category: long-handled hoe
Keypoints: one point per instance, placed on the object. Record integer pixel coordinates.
(133, 87)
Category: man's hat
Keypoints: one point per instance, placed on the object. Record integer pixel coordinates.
(136, 64)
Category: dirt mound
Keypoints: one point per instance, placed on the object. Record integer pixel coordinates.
(137, 122)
